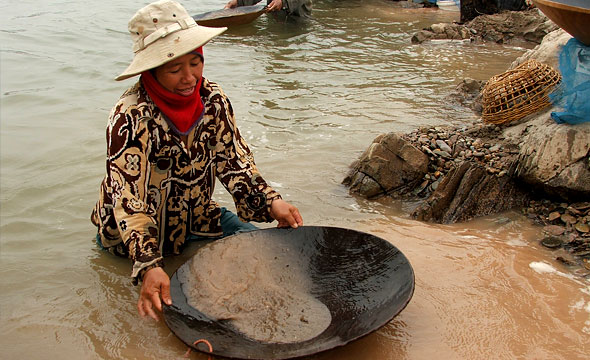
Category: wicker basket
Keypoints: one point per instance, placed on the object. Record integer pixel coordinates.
(519, 92)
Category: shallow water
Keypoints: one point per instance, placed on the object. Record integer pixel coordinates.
(309, 100)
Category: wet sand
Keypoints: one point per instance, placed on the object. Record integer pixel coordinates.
(258, 286)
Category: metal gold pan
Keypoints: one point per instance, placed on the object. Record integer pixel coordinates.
(363, 280)
(230, 17)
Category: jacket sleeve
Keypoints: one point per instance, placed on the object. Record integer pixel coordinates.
(237, 171)
(128, 168)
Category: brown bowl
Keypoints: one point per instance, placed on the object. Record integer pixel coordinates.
(230, 17)
(572, 16)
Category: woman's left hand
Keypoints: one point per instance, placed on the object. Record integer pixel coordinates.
(286, 214)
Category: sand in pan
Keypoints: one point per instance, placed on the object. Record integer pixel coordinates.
(258, 286)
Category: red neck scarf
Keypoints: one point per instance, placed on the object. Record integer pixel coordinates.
(182, 111)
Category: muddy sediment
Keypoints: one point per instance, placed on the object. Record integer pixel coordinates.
(256, 287)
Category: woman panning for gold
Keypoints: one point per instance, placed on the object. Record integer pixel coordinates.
(168, 138)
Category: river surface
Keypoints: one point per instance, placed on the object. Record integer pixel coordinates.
(309, 99)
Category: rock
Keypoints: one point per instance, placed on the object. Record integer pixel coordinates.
(505, 27)
(565, 261)
(551, 242)
(420, 37)
(554, 229)
(443, 154)
(572, 210)
(420, 188)
(553, 157)
(554, 216)
(582, 253)
(364, 185)
(467, 93)
(438, 28)
(581, 206)
(468, 192)
(390, 165)
(443, 146)
(581, 227)
(510, 26)
(442, 31)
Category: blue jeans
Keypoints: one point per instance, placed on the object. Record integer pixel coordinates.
(230, 224)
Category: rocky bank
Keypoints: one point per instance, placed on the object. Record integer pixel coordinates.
(506, 27)
(534, 164)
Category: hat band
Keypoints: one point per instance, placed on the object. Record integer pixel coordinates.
(181, 24)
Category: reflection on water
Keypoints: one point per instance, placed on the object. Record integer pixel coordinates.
(309, 100)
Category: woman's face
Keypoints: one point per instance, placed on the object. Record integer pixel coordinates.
(181, 75)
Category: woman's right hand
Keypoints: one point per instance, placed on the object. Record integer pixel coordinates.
(286, 214)
(154, 288)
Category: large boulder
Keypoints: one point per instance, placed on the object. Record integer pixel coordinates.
(391, 165)
(554, 158)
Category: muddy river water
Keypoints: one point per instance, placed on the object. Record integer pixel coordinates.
(309, 98)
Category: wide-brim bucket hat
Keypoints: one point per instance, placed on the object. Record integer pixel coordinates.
(163, 31)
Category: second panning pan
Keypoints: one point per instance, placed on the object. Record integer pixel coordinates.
(230, 17)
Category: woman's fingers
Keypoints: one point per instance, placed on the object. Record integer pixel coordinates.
(146, 308)
(166, 294)
(155, 300)
(156, 283)
(140, 308)
(286, 214)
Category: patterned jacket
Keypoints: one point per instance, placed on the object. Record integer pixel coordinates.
(157, 191)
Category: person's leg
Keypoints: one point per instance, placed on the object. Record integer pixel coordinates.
(118, 250)
(231, 223)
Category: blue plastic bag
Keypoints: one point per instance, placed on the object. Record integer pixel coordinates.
(574, 91)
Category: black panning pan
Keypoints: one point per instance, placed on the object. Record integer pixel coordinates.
(363, 280)
(230, 17)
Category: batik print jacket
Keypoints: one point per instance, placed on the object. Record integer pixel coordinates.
(157, 191)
